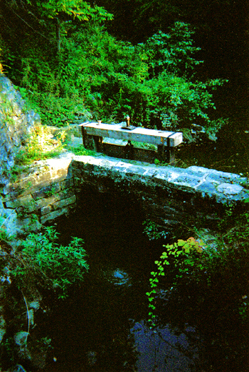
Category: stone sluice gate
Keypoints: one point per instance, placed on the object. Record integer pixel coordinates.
(169, 196)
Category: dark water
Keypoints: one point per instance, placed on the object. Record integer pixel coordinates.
(102, 325)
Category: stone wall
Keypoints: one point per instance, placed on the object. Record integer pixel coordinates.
(43, 192)
(15, 124)
(172, 197)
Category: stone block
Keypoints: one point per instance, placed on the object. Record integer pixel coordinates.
(46, 191)
(28, 224)
(42, 178)
(26, 202)
(59, 174)
(55, 214)
(46, 210)
(67, 183)
(229, 189)
(208, 188)
(21, 338)
(186, 182)
(64, 202)
(41, 203)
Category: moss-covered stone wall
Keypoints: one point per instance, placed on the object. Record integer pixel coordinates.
(43, 192)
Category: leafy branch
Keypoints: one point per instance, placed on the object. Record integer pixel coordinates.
(180, 255)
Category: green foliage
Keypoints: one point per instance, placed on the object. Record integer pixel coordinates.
(96, 76)
(206, 286)
(80, 150)
(152, 231)
(182, 255)
(159, 162)
(52, 265)
(173, 51)
(79, 9)
(53, 190)
(40, 145)
(3, 235)
(43, 344)
(53, 108)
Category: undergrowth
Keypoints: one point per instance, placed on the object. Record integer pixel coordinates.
(40, 144)
(41, 261)
(206, 287)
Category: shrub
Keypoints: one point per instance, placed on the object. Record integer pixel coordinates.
(50, 264)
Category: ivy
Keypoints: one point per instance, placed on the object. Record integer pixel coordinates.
(206, 286)
(180, 255)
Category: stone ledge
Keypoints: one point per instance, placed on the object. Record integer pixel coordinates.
(223, 186)
(55, 214)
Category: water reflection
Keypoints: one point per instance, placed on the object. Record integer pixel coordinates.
(100, 329)
(165, 350)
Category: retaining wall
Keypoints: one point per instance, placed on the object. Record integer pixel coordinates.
(42, 193)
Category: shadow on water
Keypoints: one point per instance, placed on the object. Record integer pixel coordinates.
(102, 325)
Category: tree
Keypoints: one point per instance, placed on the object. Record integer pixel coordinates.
(56, 12)
(84, 68)
(59, 10)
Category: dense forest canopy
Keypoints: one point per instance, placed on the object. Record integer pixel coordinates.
(159, 62)
(222, 26)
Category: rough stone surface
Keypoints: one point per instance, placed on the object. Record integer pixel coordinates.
(15, 124)
(229, 189)
(40, 195)
(169, 196)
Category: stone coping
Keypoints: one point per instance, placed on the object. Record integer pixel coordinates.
(224, 186)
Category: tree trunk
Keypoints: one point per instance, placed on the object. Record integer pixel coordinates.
(58, 35)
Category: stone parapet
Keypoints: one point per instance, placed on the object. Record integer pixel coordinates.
(168, 195)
